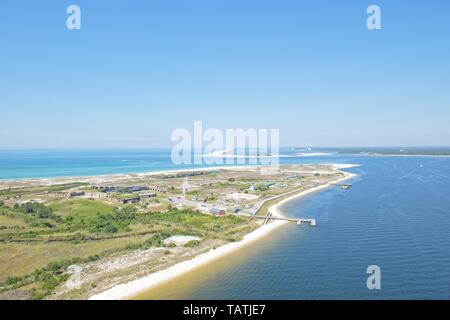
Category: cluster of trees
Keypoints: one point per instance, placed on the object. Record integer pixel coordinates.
(117, 220)
(38, 214)
(35, 209)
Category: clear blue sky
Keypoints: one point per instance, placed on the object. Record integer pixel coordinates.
(137, 70)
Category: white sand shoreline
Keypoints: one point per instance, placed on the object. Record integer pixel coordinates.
(132, 288)
(93, 178)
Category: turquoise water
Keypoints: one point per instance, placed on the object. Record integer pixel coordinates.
(396, 216)
(25, 164)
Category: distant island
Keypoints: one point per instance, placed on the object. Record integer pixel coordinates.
(407, 151)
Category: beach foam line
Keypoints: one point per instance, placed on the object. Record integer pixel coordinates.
(134, 287)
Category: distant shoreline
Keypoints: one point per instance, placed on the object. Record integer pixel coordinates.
(396, 155)
(135, 287)
(15, 176)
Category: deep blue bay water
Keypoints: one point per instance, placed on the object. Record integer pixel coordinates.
(396, 216)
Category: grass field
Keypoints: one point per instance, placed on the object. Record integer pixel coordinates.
(80, 207)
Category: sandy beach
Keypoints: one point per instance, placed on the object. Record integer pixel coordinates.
(132, 288)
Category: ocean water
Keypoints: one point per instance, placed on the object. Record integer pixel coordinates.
(396, 216)
(26, 164)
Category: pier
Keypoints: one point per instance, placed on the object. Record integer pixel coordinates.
(341, 185)
(311, 222)
(300, 221)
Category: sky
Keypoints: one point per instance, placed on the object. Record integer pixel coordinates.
(138, 70)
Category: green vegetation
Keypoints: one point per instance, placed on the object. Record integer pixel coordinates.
(117, 220)
(261, 187)
(75, 226)
(81, 207)
(31, 214)
(195, 219)
(12, 192)
(65, 186)
(110, 222)
(45, 279)
(36, 210)
(192, 243)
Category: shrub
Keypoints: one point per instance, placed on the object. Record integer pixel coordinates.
(117, 220)
(11, 280)
(156, 240)
(192, 243)
(261, 187)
